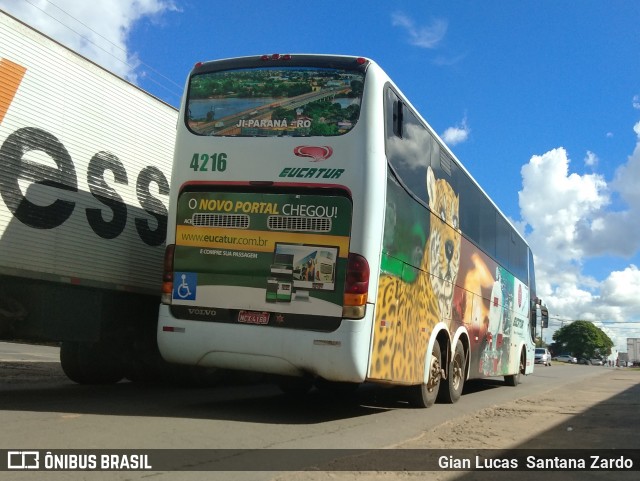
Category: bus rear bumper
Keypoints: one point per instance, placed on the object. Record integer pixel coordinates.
(341, 355)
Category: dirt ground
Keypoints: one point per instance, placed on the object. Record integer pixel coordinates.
(603, 414)
(595, 415)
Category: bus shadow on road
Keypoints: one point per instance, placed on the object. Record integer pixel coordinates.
(473, 386)
(43, 387)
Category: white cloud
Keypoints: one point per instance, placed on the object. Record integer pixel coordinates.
(458, 134)
(621, 288)
(555, 203)
(426, 36)
(618, 232)
(97, 30)
(591, 159)
(570, 220)
(636, 102)
(626, 176)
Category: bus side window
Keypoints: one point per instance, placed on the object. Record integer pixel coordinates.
(503, 239)
(393, 112)
(397, 118)
(518, 257)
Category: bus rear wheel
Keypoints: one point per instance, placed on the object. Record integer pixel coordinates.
(451, 388)
(424, 395)
(514, 379)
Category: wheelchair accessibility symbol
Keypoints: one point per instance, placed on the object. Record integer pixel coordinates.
(184, 285)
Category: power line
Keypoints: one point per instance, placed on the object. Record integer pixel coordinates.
(606, 323)
(78, 33)
(619, 322)
(131, 67)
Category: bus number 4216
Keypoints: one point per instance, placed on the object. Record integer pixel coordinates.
(206, 162)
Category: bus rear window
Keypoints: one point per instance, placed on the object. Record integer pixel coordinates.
(274, 101)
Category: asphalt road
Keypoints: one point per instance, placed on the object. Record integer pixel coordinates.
(17, 352)
(41, 409)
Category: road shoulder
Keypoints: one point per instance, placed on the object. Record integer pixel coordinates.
(600, 413)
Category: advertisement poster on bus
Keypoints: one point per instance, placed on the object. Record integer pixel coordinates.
(494, 306)
(261, 253)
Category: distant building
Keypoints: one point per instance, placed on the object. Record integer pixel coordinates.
(633, 349)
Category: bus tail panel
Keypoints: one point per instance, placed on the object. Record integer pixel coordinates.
(261, 258)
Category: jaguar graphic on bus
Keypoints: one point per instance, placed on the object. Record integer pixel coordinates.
(321, 231)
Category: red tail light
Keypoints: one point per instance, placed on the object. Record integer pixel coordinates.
(275, 56)
(357, 281)
(167, 274)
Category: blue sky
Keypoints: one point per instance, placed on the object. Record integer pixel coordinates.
(540, 100)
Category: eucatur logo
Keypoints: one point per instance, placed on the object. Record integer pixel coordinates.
(316, 154)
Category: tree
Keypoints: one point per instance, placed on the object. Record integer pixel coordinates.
(584, 339)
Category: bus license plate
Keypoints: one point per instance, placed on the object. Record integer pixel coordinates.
(253, 317)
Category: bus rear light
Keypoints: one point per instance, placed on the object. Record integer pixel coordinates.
(167, 274)
(173, 329)
(356, 287)
(355, 299)
(276, 56)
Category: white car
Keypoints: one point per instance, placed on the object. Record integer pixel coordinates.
(543, 356)
(566, 358)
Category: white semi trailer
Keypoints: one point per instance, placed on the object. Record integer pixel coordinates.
(633, 349)
(85, 164)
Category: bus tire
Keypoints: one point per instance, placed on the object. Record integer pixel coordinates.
(451, 388)
(89, 363)
(424, 395)
(514, 379)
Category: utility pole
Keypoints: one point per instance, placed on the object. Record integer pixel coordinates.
(562, 321)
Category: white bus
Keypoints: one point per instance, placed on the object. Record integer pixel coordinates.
(320, 230)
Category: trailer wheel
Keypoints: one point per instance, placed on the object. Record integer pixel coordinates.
(424, 395)
(11, 312)
(89, 363)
